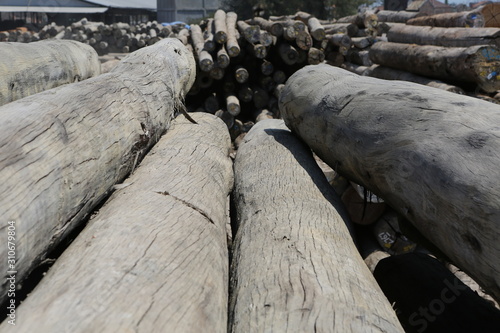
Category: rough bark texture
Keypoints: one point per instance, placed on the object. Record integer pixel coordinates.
(155, 257)
(432, 155)
(447, 20)
(27, 69)
(479, 64)
(62, 150)
(451, 37)
(292, 246)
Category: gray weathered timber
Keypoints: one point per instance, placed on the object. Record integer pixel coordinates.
(154, 258)
(27, 69)
(450, 37)
(62, 150)
(295, 266)
(479, 64)
(432, 155)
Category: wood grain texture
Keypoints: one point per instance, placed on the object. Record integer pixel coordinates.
(27, 69)
(62, 150)
(432, 155)
(295, 266)
(451, 37)
(154, 258)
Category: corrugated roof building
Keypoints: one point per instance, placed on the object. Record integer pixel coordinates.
(429, 7)
(185, 10)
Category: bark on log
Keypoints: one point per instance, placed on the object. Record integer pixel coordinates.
(429, 298)
(302, 283)
(387, 73)
(74, 142)
(434, 161)
(450, 37)
(478, 64)
(27, 69)
(155, 256)
(447, 20)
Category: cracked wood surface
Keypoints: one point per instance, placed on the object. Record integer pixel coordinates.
(432, 155)
(154, 258)
(62, 150)
(295, 266)
(27, 69)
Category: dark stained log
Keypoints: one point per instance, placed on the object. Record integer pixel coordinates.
(288, 53)
(145, 260)
(339, 40)
(311, 246)
(436, 167)
(315, 56)
(74, 142)
(450, 37)
(447, 20)
(429, 298)
(477, 64)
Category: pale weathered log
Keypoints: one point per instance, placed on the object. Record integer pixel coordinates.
(477, 64)
(205, 60)
(208, 36)
(397, 16)
(291, 251)
(233, 105)
(74, 142)
(346, 28)
(387, 73)
(233, 48)
(220, 35)
(275, 28)
(27, 69)
(450, 37)
(250, 32)
(447, 20)
(434, 160)
(155, 256)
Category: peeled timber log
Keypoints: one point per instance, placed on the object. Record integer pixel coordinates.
(27, 69)
(450, 37)
(62, 150)
(396, 16)
(478, 64)
(291, 251)
(447, 20)
(155, 257)
(432, 155)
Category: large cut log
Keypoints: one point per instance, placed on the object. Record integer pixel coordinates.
(491, 14)
(387, 73)
(292, 246)
(430, 154)
(62, 150)
(447, 20)
(451, 37)
(27, 69)
(154, 258)
(429, 298)
(478, 64)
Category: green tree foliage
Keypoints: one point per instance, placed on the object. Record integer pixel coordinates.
(323, 9)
